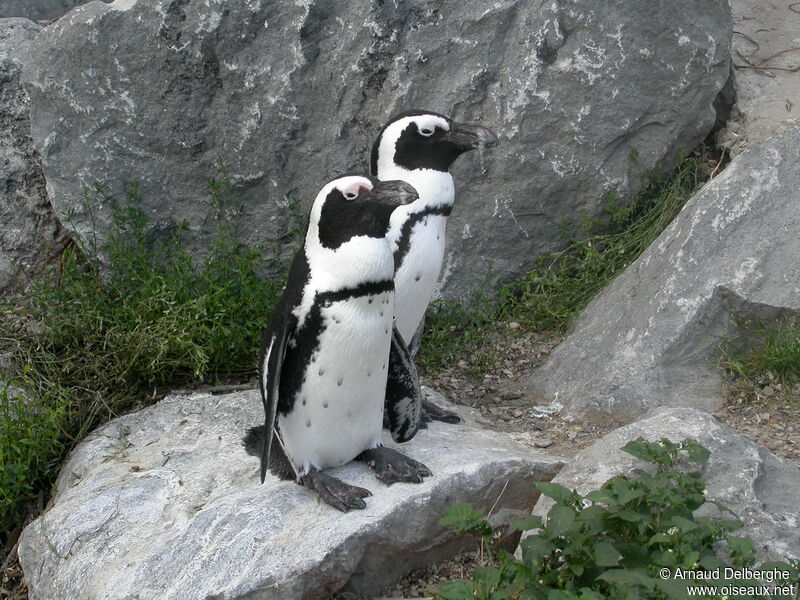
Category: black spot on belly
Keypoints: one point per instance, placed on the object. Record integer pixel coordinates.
(325, 404)
(321, 372)
(386, 330)
(384, 366)
(417, 277)
(381, 312)
(349, 414)
(308, 422)
(304, 401)
(369, 373)
(339, 382)
(370, 301)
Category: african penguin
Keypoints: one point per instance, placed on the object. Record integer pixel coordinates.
(325, 353)
(419, 147)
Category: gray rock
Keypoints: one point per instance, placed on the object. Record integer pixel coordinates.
(652, 336)
(289, 94)
(38, 10)
(28, 228)
(165, 503)
(760, 488)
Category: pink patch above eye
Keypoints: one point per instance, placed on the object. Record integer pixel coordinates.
(351, 191)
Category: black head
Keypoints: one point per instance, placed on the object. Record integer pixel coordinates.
(357, 205)
(426, 140)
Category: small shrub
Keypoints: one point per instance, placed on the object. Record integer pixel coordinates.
(614, 542)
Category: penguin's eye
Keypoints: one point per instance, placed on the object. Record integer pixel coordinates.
(426, 132)
(350, 195)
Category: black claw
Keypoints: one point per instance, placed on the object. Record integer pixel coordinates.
(334, 492)
(391, 467)
(431, 412)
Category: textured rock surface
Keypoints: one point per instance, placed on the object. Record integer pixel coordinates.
(165, 503)
(768, 99)
(28, 227)
(760, 488)
(289, 94)
(652, 337)
(37, 10)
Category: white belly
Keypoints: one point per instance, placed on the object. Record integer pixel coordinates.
(338, 412)
(416, 279)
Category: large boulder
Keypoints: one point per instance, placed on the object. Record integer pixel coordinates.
(39, 10)
(760, 488)
(28, 228)
(277, 97)
(165, 503)
(652, 337)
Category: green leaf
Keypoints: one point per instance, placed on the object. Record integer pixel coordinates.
(534, 549)
(487, 576)
(461, 516)
(456, 590)
(605, 555)
(738, 544)
(675, 589)
(697, 453)
(557, 492)
(684, 525)
(626, 577)
(560, 520)
(640, 448)
(526, 524)
(601, 496)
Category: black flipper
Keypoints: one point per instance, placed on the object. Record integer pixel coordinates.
(273, 351)
(416, 339)
(390, 466)
(335, 492)
(403, 394)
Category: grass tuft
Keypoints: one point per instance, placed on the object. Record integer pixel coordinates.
(776, 357)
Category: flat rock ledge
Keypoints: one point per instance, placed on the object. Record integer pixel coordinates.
(760, 488)
(165, 503)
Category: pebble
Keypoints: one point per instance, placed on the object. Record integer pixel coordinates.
(543, 443)
(513, 326)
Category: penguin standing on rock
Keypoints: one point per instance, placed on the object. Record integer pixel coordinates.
(325, 354)
(419, 147)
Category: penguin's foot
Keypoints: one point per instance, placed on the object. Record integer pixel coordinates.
(431, 412)
(390, 466)
(338, 494)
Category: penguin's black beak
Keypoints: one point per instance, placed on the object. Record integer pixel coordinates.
(394, 193)
(468, 136)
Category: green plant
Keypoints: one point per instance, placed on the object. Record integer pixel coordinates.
(92, 340)
(563, 283)
(777, 354)
(28, 450)
(615, 542)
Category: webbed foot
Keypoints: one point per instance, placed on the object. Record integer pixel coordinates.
(390, 466)
(338, 494)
